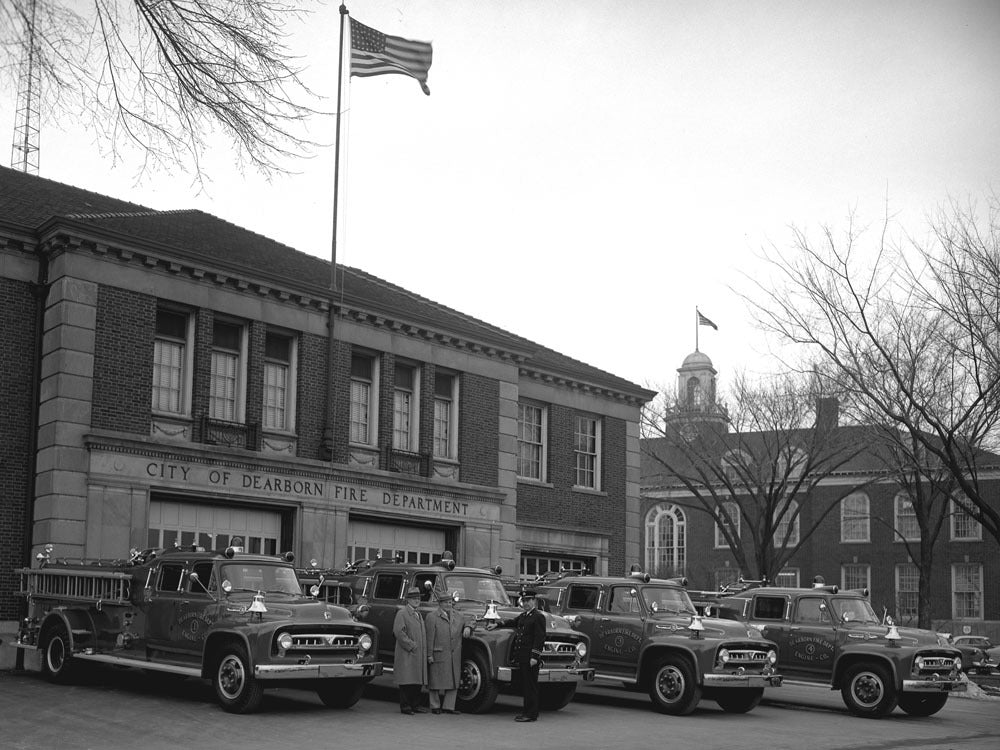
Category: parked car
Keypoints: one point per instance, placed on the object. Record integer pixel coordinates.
(979, 655)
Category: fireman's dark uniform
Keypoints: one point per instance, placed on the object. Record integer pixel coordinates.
(529, 639)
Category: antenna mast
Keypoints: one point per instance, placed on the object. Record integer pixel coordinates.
(24, 152)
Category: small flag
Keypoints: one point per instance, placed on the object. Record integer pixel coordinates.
(703, 321)
(374, 54)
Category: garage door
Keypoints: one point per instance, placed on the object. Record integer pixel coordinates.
(368, 540)
(212, 526)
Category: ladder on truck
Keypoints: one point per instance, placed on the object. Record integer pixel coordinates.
(84, 584)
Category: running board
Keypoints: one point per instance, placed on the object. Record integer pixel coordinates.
(123, 661)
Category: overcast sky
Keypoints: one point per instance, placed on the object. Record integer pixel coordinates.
(584, 173)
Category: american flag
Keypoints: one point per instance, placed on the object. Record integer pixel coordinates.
(703, 321)
(374, 54)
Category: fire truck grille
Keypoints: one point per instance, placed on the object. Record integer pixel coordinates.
(558, 652)
(940, 664)
(324, 642)
(746, 656)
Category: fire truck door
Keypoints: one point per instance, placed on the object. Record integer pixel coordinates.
(178, 617)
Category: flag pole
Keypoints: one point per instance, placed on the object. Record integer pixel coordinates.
(331, 403)
(696, 328)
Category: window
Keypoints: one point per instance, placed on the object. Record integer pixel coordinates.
(171, 368)
(967, 591)
(727, 515)
(855, 576)
(445, 416)
(907, 584)
(786, 529)
(906, 519)
(364, 401)
(206, 578)
(789, 578)
(666, 541)
(854, 518)
(532, 430)
(405, 399)
(768, 608)
(736, 467)
(583, 597)
(588, 453)
(624, 600)
(388, 586)
(171, 577)
(279, 382)
(964, 528)
(695, 396)
(224, 401)
(811, 609)
(535, 564)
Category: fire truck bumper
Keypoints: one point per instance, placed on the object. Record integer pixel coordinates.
(942, 685)
(574, 674)
(313, 671)
(742, 680)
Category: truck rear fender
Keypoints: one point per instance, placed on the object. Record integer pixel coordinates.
(78, 622)
(213, 648)
(847, 660)
(652, 654)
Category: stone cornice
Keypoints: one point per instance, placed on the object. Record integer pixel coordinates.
(566, 381)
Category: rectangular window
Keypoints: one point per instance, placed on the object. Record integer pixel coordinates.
(730, 519)
(279, 382)
(224, 401)
(587, 449)
(363, 399)
(388, 586)
(531, 436)
(786, 529)
(769, 607)
(789, 577)
(854, 521)
(855, 576)
(967, 591)
(445, 416)
(907, 589)
(170, 365)
(906, 519)
(404, 412)
(964, 528)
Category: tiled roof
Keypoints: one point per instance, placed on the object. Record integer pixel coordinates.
(31, 202)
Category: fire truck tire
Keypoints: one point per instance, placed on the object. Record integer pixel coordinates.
(340, 693)
(477, 690)
(57, 663)
(239, 692)
(739, 700)
(673, 688)
(868, 691)
(922, 705)
(554, 697)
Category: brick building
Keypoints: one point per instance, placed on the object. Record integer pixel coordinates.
(169, 378)
(856, 545)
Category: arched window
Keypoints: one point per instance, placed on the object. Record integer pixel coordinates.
(694, 394)
(666, 541)
(854, 518)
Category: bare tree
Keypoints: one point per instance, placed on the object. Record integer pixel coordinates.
(908, 332)
(165, 74)
(756, 467)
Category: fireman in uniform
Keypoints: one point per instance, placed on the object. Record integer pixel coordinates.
(529, 639)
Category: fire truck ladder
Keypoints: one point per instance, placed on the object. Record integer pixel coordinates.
(90, 586)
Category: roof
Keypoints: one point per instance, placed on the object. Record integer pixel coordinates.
(32, 204)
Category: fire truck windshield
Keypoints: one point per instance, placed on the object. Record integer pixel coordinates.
(476, 588)
(256, 576)
(671, 600)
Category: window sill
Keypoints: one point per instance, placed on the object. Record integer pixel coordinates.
(588, 491)
(535, 482)
(855, 541)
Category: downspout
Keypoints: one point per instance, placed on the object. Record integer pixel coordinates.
(40, 291)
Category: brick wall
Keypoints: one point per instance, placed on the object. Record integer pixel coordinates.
(17, 346)
(478, 429)
(123, 360)
(310, 405)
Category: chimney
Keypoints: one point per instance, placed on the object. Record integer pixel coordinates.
(827, 412)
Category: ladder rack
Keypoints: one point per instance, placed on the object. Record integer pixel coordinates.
(88, 585)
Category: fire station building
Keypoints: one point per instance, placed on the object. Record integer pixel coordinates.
(169, 378)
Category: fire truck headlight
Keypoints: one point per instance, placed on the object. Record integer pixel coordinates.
(365, 642)
(284, 641)
(772, 656)
(723, 656)
(957, 661)
(918, 663)
(581, 649)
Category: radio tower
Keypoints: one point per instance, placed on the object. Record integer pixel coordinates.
(24, 152)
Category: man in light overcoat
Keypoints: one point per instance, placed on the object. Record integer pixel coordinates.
(444, 654)
(410, 659)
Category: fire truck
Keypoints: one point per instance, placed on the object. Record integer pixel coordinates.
(240, 620)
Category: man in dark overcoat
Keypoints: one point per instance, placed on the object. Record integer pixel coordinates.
(529, 640)
(444, 654)
(409, 662)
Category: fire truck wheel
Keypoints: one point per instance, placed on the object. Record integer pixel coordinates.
(477, 690)
(340, 693)
(922, 705)
(554, 697)
(739, 700)
(239, 692)
(868, 691)
(673, 688)
(57, 663)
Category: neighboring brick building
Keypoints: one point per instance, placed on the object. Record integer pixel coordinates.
(167, 377)
(854, 546)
